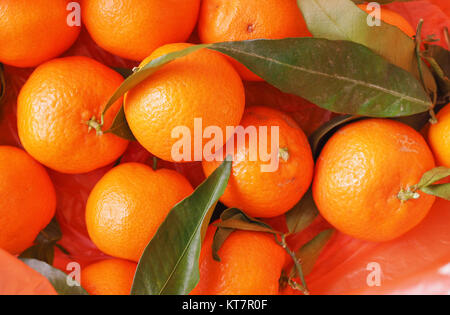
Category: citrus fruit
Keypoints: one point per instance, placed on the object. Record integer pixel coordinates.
(274, 191)
(364, 174)
(132, 29)
(202, 85)
(251, 264)
(392, 18)
(127, 206)
(236, 20)
(17, 278)
(54, 108)
(28, 202)
(108, 277)
(439, 137)
(32, 32)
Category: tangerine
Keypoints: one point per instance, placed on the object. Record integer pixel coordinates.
(365, 178)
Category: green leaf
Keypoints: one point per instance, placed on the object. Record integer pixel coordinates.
(120, 126)
(433, 176)
(343, 20)
(124, 72)
(441, 55)
(44, 245)
(428, 183)
(302, 215)
(55, 276)
(238, 220)
(439, 60)
(42, 252)
(302, 66)
(321, 136)
(146, 71)
(169, 264)
(441, 191)
(220, 237)
(357, 81)
(234, 219)
(311, 251)
(417, 121)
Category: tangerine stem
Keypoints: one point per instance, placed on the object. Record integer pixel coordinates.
(155, 163)
(408, 194)
(283, 153)
(433, 119)
(94, 124)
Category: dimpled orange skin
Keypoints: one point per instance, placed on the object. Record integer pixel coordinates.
(268, 194)
(28, 203)
(109, 277)
(132, 29)
(201, 85)
(439, 137)
(360, 173)
(127, 206)
(236, 20)
(54, 106)
(32, 32)
(251, 264)
(393, 18)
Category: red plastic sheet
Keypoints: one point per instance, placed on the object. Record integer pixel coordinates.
(419, 262)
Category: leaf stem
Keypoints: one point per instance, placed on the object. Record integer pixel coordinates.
(447, 37)
(296, 286)
(418, 39)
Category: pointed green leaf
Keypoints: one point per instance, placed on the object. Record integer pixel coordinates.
(439, 60)
(311, 251)
(232, 220)
(120, 126)
(302, 215)
(56, 277)
(320, 137)
(124, 72)
(42, 252)
(169, 264)
(428, 183)
(438, 190)
(302, 66)
(220, 237)
(146, 71)
(343, 20)
(44, 245)
(433, 176)
(237, 219)
(357, 81)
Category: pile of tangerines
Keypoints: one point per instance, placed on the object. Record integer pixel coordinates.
(61, 126)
